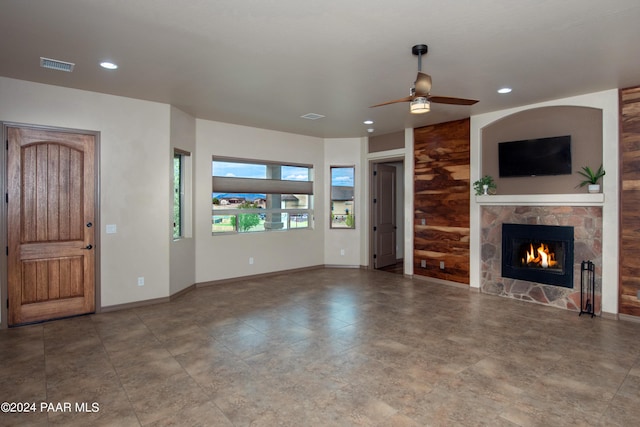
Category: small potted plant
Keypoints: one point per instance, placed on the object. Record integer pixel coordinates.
(592, 178)
(484, 185)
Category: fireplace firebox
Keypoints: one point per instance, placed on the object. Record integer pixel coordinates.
(538, 253)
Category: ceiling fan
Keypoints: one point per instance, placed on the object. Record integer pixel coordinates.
(419, 94)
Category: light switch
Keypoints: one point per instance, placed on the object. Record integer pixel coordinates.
(111, 229)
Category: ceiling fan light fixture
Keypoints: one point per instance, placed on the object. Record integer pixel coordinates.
(420, 97)
(420, 105)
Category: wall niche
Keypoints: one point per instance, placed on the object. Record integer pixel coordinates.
(584, 124)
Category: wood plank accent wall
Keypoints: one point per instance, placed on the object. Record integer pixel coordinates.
(441, 200)
(629, 201)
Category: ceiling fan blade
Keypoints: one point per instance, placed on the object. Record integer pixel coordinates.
(405, 99)
(423, 84)
(453, 101)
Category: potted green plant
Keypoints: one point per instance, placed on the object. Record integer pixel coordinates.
(592, 178)
(484, 185)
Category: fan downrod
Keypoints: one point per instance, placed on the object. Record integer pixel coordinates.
(419, 49)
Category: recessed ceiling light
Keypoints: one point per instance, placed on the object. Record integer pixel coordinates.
(370, 130)
(109, 65)
(368, 122)
(504, 90)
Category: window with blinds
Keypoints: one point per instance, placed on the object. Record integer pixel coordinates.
(255, 196)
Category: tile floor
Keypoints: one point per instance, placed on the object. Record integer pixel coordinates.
(332, 347)
(397, 268)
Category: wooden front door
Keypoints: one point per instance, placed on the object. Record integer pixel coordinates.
(50, 221)
(384, 215)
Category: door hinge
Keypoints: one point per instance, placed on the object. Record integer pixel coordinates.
(375, 256)
(7, 145)
(375, 228)
(6, 197)
(375, 173)
(375, 200)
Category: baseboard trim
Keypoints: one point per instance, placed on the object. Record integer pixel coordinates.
(135, 304)
(182, 292)
(629, 318)
(255, 276)
(341, 266)
(144, 303)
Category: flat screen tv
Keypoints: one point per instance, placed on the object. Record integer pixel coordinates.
(535, 157)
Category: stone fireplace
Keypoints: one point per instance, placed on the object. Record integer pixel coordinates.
(585, 222)
(593, 121)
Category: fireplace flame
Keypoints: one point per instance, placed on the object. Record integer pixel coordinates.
(541, 256)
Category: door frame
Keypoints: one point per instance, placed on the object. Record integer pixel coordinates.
(4, 277)
(371, 185)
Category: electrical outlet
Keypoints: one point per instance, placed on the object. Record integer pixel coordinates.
(423, 221)
(423, 263)
(441, 265)
(140, 281)
(342, 252)
(250, 260)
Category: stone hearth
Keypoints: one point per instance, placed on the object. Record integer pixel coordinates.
(587, 223)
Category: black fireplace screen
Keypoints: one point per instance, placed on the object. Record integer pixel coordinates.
(538, 253)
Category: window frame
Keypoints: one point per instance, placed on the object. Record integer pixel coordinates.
(273, 188)
(346, 216)
(181, 194)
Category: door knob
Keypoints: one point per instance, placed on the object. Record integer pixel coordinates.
(89, 224)
(88, 247)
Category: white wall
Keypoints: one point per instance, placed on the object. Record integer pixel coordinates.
(227, 256)
(607, 101)
(399, 208)
(134, 189)
(409, 192)
(344, 152)
(182, 251)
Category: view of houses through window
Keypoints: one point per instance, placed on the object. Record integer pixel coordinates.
(342, 197)
(250, 196)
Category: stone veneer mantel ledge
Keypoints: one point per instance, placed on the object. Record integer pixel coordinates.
(582, 199)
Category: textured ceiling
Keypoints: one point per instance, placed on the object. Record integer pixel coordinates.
(264, 63)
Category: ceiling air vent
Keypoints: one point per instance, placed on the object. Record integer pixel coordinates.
(312, 116)
(54, 64)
